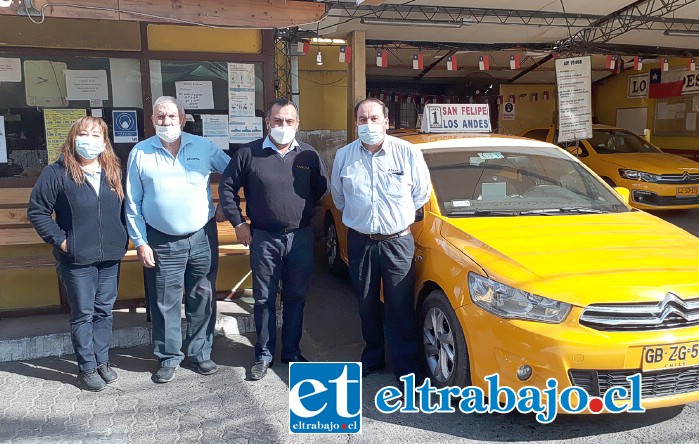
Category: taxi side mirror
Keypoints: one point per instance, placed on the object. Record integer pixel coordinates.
(624, 193)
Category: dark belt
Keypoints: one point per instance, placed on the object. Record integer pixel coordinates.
(283, 230)
(383, 237)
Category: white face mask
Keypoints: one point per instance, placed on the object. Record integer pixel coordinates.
(371, 133)
(283, 135)
(169, 133)
(88, 147)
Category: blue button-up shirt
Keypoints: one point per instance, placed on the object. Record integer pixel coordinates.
(171, 194)
(267, 143)
(379, 193)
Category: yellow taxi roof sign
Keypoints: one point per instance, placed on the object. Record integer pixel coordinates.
(456, 117)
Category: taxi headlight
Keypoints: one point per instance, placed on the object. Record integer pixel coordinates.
(511, 303)
(638, 175)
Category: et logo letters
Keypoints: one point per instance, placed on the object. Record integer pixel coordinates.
(325, 397)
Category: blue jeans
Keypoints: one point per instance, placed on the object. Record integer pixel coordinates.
(288, 258)
(91, 291)
(183, 265)
(389, 262)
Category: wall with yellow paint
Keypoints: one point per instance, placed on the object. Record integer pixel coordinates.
(323, 90)
(202, 39)
(528, 114)
(610, 95)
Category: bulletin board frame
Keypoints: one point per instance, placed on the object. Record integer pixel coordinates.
(676, 116)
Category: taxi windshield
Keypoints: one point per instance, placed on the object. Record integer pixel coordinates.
(502, 180)
(620, 142)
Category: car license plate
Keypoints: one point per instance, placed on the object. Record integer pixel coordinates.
(687, 191)
(661, 357)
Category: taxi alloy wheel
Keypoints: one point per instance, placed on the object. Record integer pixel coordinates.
(332, 248)
(443, 344)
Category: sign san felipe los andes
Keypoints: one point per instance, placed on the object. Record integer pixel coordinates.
(448, 118)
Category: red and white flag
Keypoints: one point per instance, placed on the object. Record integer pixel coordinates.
(545, 95)
(637, 63)
(611, 62)
(418, 62)
(303, 46)
(382, 58)
(483, 63)
(692, 64)
(345, 54)
(534, 97)
(513, 98)
(665, 64)
(499, 100)
(451, 63)
(514, 62)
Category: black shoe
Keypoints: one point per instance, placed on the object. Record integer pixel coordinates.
(368, 369)
(259, 370)
(107, 373)
(298, 358)
(91, 380)
(207, 367)
(164, 374)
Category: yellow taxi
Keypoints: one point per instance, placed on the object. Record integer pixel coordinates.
(657, 180)
(530, 266)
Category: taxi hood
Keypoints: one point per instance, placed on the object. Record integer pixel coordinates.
(582, 259)
(656, 163)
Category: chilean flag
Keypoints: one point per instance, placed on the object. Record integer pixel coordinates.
(483, 63)
(692, 64)
(345, 54)
(382, 58)
(611, 62)
(303, 46)
(418, 62)
(665, 83)
(451, 63)
(637, 63)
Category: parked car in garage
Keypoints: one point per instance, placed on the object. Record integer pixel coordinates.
(657, 180)
(530, 266)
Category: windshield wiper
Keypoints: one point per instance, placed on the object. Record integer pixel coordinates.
(483, 213)
(563, 210)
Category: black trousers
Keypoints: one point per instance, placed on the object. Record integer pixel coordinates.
(390, 262)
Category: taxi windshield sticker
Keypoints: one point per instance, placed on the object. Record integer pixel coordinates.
(493, 155)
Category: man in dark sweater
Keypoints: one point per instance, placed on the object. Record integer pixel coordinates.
(282, 180)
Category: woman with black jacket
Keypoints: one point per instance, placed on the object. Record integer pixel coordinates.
(83, 188)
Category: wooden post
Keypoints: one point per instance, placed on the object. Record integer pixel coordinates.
(356, 79)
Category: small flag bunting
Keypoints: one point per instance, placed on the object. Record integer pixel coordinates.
(418, 62)
(637, 63)
(303, 46)
(483, 63)
(692, 64)
(345, 54)
(611, 62)
(382, 58)
(545, 95)
(534, 97)
(665, 65)
(513, 98)
(514, 62)
(451, 63)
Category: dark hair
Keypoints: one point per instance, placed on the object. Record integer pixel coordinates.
(281, 102)
(371, 99)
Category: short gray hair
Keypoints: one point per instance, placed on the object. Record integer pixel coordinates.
(165, 100)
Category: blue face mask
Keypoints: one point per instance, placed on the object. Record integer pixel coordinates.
(371, 133)
(88, 147)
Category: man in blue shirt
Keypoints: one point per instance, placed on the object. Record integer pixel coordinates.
(282, 179)
(170, 219)
(378, 182)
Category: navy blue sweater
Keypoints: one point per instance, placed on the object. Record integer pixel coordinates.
(93, 225)
(280, 192)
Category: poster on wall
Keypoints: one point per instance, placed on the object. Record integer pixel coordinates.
(244, 129)
(195, 94)
(86, 84)
(125, 129)
(508, 111)
(241, 89)
(10, 69)
(574, 80)
(57, 123)
(3, 141)
(215, 128)
(126, 83)
(45, 83)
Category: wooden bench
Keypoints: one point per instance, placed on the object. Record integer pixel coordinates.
(27, 266)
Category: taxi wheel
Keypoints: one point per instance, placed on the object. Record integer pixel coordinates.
(332, 248)
(443, 343)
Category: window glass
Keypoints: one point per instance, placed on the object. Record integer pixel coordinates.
(538, 134)
(204, 88)
(87, 85)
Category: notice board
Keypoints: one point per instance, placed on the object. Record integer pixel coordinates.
(677, 116)
(632, 119)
